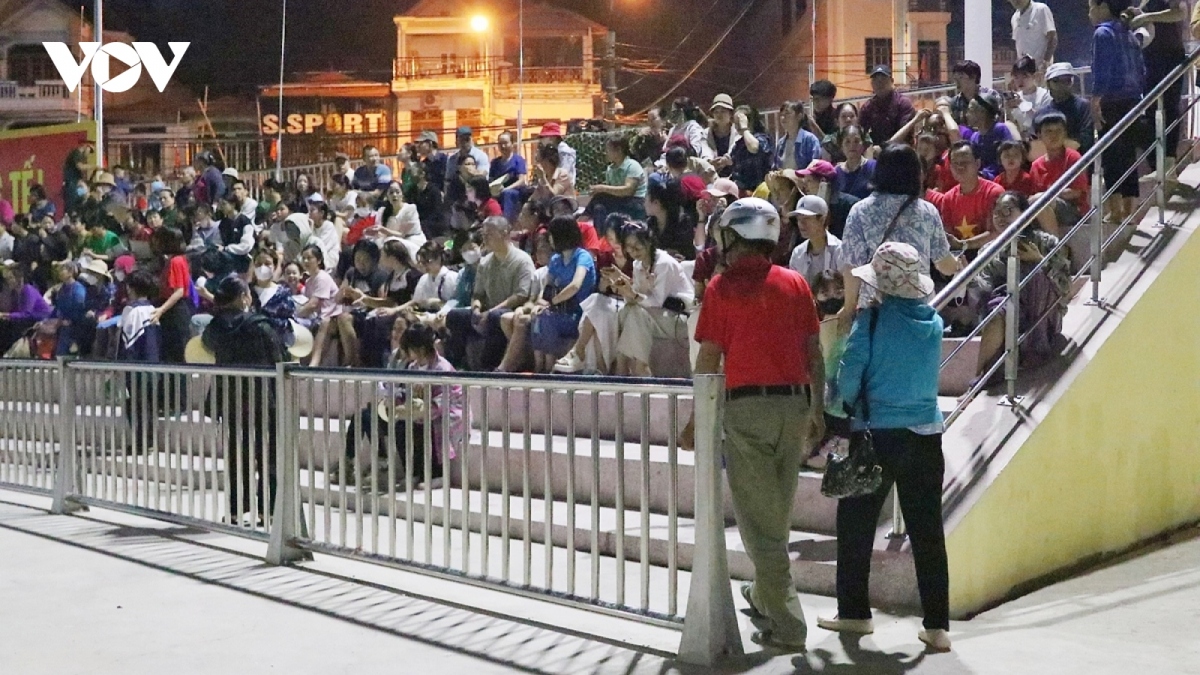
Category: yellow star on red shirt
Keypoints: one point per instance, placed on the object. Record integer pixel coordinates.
(966, 230)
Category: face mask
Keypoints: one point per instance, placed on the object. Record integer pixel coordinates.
(80, 191)
(118, 275)
(88, 278)
(830, 306)
(263, 272)
(470, 257)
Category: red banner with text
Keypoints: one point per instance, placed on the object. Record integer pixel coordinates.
(37, 156)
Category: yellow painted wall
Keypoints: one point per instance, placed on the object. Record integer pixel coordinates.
(1116, 461)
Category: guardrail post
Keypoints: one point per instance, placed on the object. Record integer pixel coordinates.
(710, 628)
(1097, 230)
(1012, 318)
(286, 523)
(66, 477)
(1160, 152)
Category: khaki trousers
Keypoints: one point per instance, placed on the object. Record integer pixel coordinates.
(764, 446)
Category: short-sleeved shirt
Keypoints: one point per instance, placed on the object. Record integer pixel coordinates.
(812, 266)
(1030, 30)
(177, 275)
(968, 215)
(561, 272)
(883, 117)
(856, 183)
(762, 317)
(322, 287)
(1023, 183)
(617, 175)
(441, 287)
(498, 279)
(102, 245)
(1046, 170)
(919, 225)
(367, 179)
(371, 283)
(512, 169)
(987, 144)
(1080, 127)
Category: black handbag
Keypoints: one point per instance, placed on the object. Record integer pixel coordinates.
(857, 472)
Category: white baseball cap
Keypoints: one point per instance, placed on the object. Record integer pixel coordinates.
(1060, 69)
(810, 205)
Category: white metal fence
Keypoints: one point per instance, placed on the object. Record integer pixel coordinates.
(570, 490)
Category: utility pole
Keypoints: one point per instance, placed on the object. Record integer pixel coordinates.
(978, 37)
(609, 63)
(97, 91)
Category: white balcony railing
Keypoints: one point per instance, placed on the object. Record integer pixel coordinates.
(41, 89)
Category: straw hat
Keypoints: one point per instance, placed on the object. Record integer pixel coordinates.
(104, 178)
(896, 270)
(384, 408)
(97, 267)
(196, 352)
(302, 346)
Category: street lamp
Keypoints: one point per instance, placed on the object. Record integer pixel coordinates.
(479, 23)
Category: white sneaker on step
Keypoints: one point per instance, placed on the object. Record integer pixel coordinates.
(571, 363)
(936, 639)
(860, 626)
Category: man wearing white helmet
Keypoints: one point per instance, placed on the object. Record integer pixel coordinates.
(762, 320)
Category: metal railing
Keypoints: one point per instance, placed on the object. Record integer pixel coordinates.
(569, 490)
(1091, 224)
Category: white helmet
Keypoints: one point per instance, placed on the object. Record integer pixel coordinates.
(753, 219)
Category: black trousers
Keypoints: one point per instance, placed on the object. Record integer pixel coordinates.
(462, 331)
(1120, 155)
(250, 435)
(1172, 104)
(915, 464)
(377, 432)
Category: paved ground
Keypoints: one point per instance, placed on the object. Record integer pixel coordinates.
(107, 593)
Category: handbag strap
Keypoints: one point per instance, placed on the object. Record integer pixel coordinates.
(863, 398)
(895, 219)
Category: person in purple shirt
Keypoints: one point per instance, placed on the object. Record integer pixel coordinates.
(986, 131)
(21, 304)
(888, 110)
(1118, 78)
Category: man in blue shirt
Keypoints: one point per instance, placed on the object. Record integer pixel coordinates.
(1080, 129)
(373, 176)
(1118, 76)
(510, 169)
(432, 160)
(456, 173)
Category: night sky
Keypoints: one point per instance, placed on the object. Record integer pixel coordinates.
(235, 43)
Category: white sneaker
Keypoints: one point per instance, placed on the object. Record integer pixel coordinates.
(860, 626)
(937, 639)
(571, 363)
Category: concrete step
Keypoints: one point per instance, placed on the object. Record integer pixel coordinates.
(602, 528)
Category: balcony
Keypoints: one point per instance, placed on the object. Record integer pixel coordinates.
(444, 67)
(42, 96)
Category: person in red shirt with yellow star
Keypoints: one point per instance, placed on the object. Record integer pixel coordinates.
(966, 208)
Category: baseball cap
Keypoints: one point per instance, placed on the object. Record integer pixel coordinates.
(464, 131)
(231, 172)
(881, 70)
(550, 129)
(692, 186)
(341, 157)
(810, 205)
(315, 198)
(820, 169)
(722, 101)
(723, 187)
(991, 100)
(429, 136)
(1059, 70)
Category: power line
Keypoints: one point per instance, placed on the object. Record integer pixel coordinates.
(711, 50)
(674, 49)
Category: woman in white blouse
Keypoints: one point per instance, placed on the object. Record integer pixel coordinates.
(400, 219)
(689, 121)
(657, 300)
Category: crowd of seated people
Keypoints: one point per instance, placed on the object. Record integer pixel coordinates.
(512, 263)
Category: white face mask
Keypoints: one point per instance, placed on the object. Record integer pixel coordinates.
(88, 278)
(470, 257)
(264, 272)
(118, 275)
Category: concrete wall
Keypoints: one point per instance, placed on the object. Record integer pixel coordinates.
(1113, 463)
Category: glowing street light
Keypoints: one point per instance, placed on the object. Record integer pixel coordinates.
(479, 23)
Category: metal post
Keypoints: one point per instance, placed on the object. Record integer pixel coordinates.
(1012, 321)
(610, 75)
(66, 480)
(287, 522)
(899, 529)
(97, 91)
(282, 53)
(710, 628)
(1160, 152)
(1097, 229)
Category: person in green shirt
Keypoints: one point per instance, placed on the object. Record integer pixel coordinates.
(170, 215)
(101, 242)
(624, 190)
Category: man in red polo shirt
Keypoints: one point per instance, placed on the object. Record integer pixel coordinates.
(762, 319)
(1051, 129)
(966, 208)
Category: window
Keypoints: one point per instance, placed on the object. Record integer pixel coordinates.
(879, 53)
(29, 63)
(929, 62)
